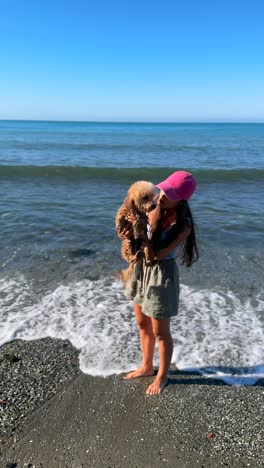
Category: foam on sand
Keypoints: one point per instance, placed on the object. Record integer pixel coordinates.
(215, 331)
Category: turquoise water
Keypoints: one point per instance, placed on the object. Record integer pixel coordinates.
(60, 187)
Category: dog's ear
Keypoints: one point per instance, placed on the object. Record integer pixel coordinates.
(122, 223)
(127, 201)
(132, 204)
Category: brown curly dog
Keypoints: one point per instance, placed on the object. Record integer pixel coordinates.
(139, 202)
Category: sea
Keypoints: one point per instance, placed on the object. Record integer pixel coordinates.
(61, 184)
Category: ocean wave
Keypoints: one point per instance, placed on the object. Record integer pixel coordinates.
(126, 174)
(215, 332)
(77, 146)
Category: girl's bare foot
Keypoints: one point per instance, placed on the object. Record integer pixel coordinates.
(157, 386)
(142, 372)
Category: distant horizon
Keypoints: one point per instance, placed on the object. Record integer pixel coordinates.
(180, 122)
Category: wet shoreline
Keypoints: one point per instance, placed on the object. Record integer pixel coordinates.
(75, 420)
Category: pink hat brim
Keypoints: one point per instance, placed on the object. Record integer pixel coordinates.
(169, 191)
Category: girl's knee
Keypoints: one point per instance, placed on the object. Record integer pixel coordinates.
(161, 329)
(162, 335)
(144, 323)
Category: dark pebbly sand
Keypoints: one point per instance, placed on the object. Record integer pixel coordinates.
(54, 416)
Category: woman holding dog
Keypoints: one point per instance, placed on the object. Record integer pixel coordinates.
(154, 287)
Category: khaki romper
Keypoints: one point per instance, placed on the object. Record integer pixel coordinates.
(155, 288)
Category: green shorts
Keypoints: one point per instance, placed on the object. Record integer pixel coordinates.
(155, 288)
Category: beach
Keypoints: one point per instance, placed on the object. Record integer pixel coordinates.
(55, 416)
(68, 333)
(95, 97)
(61, 184)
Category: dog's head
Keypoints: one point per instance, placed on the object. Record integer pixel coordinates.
(141, 196)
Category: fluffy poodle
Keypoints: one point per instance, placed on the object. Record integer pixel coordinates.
(139, 201)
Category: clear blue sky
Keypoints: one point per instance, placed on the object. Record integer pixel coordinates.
(132, 60)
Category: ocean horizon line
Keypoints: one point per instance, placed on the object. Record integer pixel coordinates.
(140, 122)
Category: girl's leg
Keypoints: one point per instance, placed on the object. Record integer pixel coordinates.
(161, 330)
(147, 340)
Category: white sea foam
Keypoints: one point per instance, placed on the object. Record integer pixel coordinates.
(215, 331)
(221, 335)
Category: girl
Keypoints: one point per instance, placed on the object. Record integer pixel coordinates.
(155, 288)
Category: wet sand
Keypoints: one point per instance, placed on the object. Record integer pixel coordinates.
(85, 421)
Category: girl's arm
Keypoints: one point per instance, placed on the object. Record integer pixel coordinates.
(159, 254)
(153, 217)
(179, 239)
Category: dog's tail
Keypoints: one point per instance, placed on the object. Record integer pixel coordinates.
(124, 275)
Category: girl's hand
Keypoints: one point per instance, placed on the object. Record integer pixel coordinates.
(149, 252)
(131, 218)
(127, 232)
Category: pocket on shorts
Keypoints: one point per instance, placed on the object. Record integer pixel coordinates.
(160, 294)
(163, 299)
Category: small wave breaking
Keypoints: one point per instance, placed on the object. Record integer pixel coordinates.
(215, 332)
(125, 174)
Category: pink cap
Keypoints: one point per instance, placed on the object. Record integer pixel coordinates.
(178, 186)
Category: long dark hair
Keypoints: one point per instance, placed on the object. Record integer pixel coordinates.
(189, 253)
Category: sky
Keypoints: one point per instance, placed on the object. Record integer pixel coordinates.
(113, 60)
